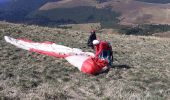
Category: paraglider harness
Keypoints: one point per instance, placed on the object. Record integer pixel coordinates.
(107, 55)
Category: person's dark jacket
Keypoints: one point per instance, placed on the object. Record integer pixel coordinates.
(90, 40)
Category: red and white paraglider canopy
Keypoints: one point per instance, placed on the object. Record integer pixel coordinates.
(84, 61)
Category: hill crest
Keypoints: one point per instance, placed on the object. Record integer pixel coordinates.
(132, 12)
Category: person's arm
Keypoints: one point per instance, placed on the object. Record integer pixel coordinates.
(100, 50)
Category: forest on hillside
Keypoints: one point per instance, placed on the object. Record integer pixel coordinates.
(75, 15)
(156, 1)
(145, 29)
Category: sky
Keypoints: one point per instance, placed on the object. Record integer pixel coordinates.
(4, 0)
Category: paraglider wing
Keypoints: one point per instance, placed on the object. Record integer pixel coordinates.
(48, 48)
(84, 61)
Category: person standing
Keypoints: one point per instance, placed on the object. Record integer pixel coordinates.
(91, 38)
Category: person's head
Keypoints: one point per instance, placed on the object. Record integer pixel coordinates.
(93, 31)
(96, 42)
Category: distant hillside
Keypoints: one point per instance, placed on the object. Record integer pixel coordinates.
(75, 15)
(146, 30)
(26, 11)
(156, 1)
(141, 67)
(17, 10)
(69, 4)
(132, 12)
(123, 12)
(102, 1)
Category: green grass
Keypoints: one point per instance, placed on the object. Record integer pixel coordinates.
(140, 72)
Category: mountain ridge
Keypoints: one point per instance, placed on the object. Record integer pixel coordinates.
(132, 12)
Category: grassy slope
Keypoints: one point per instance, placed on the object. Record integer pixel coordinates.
(142, 68)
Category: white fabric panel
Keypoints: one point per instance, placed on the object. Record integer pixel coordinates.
(77, 61)
(47, 47)
(15, 42)
(76, 58)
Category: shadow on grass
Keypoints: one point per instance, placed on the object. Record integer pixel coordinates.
(121, 66)
(114, 66)
(102, 72)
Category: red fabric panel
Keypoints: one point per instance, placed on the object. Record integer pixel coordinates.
(25, 40)
(93, 65)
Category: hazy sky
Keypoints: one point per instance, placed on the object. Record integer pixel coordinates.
(3, 0)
